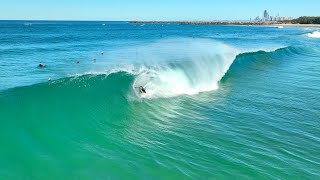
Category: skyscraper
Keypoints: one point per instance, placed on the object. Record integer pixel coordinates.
(266, 15)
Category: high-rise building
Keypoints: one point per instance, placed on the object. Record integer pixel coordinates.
(266, 15)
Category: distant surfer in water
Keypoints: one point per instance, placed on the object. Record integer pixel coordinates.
(41, 65)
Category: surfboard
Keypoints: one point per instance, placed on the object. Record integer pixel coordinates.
(143, 95)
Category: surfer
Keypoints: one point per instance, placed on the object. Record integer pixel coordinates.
(41, 65)
(142, 90)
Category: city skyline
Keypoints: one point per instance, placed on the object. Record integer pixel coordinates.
(144, 10)
(267, 17)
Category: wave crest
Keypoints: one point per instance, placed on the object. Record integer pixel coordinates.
(199, 67)
(174, 67)
(315, 34)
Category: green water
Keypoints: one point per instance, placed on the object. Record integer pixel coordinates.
(261, 123)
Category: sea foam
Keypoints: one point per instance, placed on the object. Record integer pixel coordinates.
(315, 34)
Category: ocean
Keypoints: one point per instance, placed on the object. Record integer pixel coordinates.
(222, 102)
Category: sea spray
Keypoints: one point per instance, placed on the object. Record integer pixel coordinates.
(175, 66)
(184, 66)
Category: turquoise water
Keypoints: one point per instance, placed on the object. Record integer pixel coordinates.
(222, 101)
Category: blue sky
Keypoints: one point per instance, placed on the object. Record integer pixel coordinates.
(153, 10)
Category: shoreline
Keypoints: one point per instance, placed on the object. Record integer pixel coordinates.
(299, 25)
(241, 23)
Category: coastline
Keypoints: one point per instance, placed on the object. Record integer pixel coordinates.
(204, 22)
(298, 25)
(244, 23)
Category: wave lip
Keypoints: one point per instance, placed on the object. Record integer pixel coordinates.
(315, 34)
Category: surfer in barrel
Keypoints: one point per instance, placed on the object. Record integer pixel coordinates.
(142, 90)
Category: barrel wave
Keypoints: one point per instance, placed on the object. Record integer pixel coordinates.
(197, 67)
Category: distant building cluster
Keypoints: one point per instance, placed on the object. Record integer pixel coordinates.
(267, 18)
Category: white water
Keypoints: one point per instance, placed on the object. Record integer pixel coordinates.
(191, 66)
(315, 34)
(173, 67)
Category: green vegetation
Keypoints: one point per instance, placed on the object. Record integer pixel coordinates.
(306, 20)
(300, 20)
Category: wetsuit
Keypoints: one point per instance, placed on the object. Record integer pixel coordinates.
(142, 90)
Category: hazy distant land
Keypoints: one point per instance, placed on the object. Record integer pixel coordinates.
(225, 23)
(301, 21)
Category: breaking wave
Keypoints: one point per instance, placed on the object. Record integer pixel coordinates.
(165, 68)
(315, 34)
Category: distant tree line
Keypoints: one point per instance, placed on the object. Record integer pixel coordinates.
(306, 20)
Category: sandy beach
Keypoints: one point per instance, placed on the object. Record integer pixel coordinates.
(299, 25)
